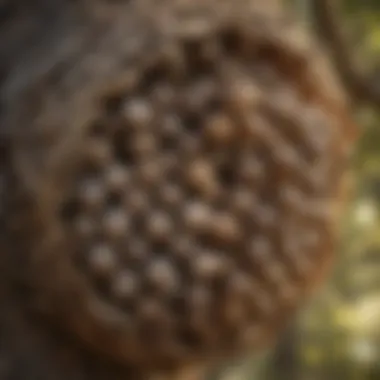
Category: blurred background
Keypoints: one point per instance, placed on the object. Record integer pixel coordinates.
(337, 335)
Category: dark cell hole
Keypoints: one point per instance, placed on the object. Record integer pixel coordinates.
(215, 104)
(122, 148)
(102, 286)
(230, 40)
(192, 123)
(113, 104)
(267, 52)
(190, 339)
(152, 333)
(69, 210)
(207, 239)
(192, 48)
(226, 175)
(160, 249)
(178, 305)
(80, 257)
(154, 75)
(196, 57)
(88, 170)
(97, 129)
(114, 200)
(139, 222)
(218, 285)
(169, 143)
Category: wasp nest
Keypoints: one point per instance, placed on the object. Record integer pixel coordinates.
(198, 204)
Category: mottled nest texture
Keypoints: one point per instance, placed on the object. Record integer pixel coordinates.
(171, 178)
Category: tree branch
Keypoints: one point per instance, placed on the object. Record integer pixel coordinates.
(362, 88)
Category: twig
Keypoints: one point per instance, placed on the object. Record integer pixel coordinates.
(362, 88)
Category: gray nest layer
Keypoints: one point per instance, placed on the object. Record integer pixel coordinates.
(173, 178)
